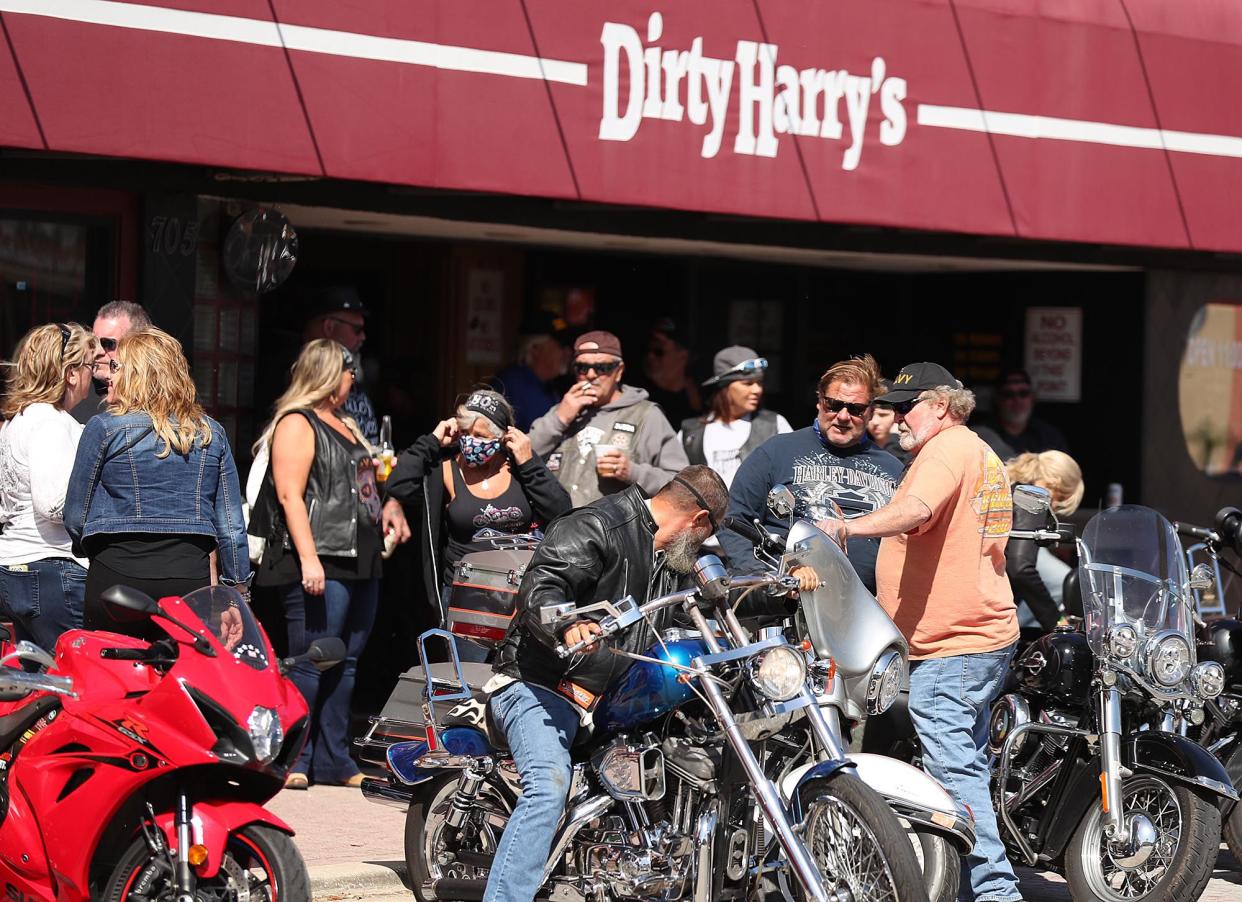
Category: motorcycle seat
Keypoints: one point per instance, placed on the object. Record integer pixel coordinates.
(13, 725)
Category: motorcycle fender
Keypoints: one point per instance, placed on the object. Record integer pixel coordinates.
(1178, 758)
(917, 797)
(213, 823)
(800, 778)
(455, 746)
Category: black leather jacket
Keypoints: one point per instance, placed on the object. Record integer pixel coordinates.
(331, 497)
(1020, 557)
(605, 550)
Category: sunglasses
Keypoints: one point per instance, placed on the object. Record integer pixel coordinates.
(358, 329)
(835, 405)
(64, 340)
(904, 407)
(754, 365)
(1010, 394)
(601, 369)
(108, 344)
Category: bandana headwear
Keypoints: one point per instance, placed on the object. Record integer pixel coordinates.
(478, 451)
(490, 407)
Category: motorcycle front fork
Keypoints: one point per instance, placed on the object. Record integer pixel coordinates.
(183, 822)
(1111, 768)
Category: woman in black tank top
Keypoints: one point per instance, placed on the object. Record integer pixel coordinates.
(474, 471)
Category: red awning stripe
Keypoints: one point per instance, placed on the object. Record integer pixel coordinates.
(1051, 128)
(262, 33)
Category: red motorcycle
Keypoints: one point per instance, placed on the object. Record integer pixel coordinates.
(138, 771)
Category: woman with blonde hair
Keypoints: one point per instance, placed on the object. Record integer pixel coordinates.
(154, 488)
(1035, 574)
(42, 583)
(319, 511)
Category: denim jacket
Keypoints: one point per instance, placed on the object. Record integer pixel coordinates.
(118, 485)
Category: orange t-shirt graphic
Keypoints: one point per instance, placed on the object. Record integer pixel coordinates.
(944, 583)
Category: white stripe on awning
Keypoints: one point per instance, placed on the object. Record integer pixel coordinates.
(240, 30)
(1050, 128)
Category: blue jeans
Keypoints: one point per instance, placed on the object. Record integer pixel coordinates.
(540, 727)
(467, 651)
(950, 702)
(346, 610)
(43, 598)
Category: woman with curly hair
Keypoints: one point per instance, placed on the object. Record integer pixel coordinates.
(154, 488)
(42, 584)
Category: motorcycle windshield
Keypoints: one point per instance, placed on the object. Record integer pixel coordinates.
(226, 616)
(1132, 570)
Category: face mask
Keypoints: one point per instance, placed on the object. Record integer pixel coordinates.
(478, 451)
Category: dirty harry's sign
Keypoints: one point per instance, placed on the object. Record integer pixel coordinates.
(771, 99)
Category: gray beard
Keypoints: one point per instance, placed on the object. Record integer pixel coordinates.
(682, 552)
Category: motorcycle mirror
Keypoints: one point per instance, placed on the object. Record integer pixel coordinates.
(1033, 499)
(127, 604)
(326, 653)
(711, 577)
(1229, 526)
(781, 502)
(1202, 577)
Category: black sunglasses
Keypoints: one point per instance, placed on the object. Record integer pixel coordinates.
(108, 344)
(835, 405)
(601, 369)
(904, 407)
(64, 339)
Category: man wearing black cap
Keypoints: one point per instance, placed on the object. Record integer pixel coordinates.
(542, 358)
(666, 371)
(941, 576)
(341, 316)
(604, 435)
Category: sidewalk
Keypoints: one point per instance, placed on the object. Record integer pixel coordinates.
(352, 847)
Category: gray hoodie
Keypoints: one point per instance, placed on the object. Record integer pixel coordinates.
(629, 422)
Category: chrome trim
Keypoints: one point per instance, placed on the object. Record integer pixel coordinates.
(1215, 786)
(950, 826)
(1114, 817)
(574, 821)
(383, 792)
(1002, 780)
(704, 850)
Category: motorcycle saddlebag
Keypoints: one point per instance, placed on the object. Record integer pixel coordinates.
(485, 587)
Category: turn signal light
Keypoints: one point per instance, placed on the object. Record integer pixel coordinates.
(1104, 792)
(197, 855)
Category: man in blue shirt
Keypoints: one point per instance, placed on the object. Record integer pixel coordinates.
(832, 460)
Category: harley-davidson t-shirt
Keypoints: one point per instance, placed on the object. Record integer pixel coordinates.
(944, 583)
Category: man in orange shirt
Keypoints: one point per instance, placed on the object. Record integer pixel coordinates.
(941, 576)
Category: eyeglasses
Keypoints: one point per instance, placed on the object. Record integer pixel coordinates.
(108, 344)
(111, 365)
(601, 369)
(836, 405)
(1011, 393)
(358, 329)
(904, 407)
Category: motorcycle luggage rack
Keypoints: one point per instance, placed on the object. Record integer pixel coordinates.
(437, 689)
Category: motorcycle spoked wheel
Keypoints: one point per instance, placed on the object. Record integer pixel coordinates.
(941, 865)
(424, 842)
(260, 864)
(1179, 867)
(858, 843)
(1232, 830)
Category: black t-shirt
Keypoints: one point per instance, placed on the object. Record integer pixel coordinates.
(280, 566)
(146, 555)
(466, 514)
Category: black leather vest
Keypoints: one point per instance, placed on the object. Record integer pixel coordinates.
(762, 428)
(331, 496)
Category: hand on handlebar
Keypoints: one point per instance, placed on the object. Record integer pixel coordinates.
(581, 632)
(808, 579)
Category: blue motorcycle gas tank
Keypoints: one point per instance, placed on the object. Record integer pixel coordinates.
(647, 691)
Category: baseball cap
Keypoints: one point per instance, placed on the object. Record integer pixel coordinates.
(336, 298)
(669, 328)
(598, 342)
(544, 322)
(916, 378)
(734, 363)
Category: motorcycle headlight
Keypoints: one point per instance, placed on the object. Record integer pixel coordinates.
(1208, 679)
(1121, 641)
(1168, 659)
(885, 682)
(265, 733)
(779, 673)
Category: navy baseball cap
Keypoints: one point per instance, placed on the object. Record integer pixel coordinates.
(916, 378)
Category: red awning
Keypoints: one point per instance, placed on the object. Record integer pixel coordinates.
(1113, 121)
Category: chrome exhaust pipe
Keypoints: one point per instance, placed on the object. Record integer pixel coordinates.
(577, 819)
(704, 850)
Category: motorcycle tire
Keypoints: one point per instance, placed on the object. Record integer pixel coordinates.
(942, 866)
(1089, 867)
(845, 818)
(423, 820)
(267, 858)
(1232, 829)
